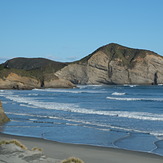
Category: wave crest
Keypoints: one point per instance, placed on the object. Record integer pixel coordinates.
(118, 94)
(135, 99)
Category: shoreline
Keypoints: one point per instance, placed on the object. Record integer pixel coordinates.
(88, 153)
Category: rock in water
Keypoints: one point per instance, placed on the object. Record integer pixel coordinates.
(3, 116)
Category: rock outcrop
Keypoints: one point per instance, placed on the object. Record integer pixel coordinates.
(110, 64)
(3, 117)
(29, 73)
(15, 81)
(116, 64)
(52, 81)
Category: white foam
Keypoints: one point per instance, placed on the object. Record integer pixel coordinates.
(76, 109)
(158, 134)
(4, 92)
(118, 94)
(33, 119)
(88, 86)
(130, 85)
(99, 126)
(27, 105)
(32, 94)
(135, 99)
(68, 91)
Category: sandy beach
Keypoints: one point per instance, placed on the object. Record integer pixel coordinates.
(89, 154)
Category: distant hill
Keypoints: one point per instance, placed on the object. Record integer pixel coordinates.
(29, 73)
(109, 64)
(118, 51)
(116, 64)
(33, 63)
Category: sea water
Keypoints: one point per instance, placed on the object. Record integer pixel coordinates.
(128, 117)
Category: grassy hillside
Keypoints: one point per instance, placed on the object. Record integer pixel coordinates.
(30, 67)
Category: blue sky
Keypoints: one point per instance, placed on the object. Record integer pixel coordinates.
(67, 30)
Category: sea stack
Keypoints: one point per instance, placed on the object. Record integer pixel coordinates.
(3, 116)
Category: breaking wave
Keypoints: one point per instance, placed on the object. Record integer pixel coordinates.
(118, 94)
(99, 126)
(69, 91)
(128, 85)
(135, 99)
(67, 107)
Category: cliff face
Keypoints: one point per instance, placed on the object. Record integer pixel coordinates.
(115, 64)
(110, 64)
(3, 117)
(29, 73)
(15, 81)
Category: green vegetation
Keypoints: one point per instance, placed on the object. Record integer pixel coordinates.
(125, 55)
(43, 69)
(72, 160)
(33, 73)
(30, 67)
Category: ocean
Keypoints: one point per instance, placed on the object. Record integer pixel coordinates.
(127, 116)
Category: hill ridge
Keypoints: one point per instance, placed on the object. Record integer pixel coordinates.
(109, 64)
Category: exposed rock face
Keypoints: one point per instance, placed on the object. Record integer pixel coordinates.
(15, 81)
(110, 64)
(115, 64)
(52, 81)
(3, 117)
(29, 73)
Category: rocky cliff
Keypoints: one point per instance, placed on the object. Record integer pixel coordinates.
(115, 64)
(15, 81)
(110, 64)
(29, 73)
(3, 117)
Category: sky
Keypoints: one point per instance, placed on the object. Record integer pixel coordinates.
(68, 30)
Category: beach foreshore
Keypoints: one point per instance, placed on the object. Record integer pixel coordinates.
(87, 153)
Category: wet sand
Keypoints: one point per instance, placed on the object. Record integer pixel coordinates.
(89, 154)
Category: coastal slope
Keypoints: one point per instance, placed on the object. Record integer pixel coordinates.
(29, 73)
(109, 64)
(116, 64)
